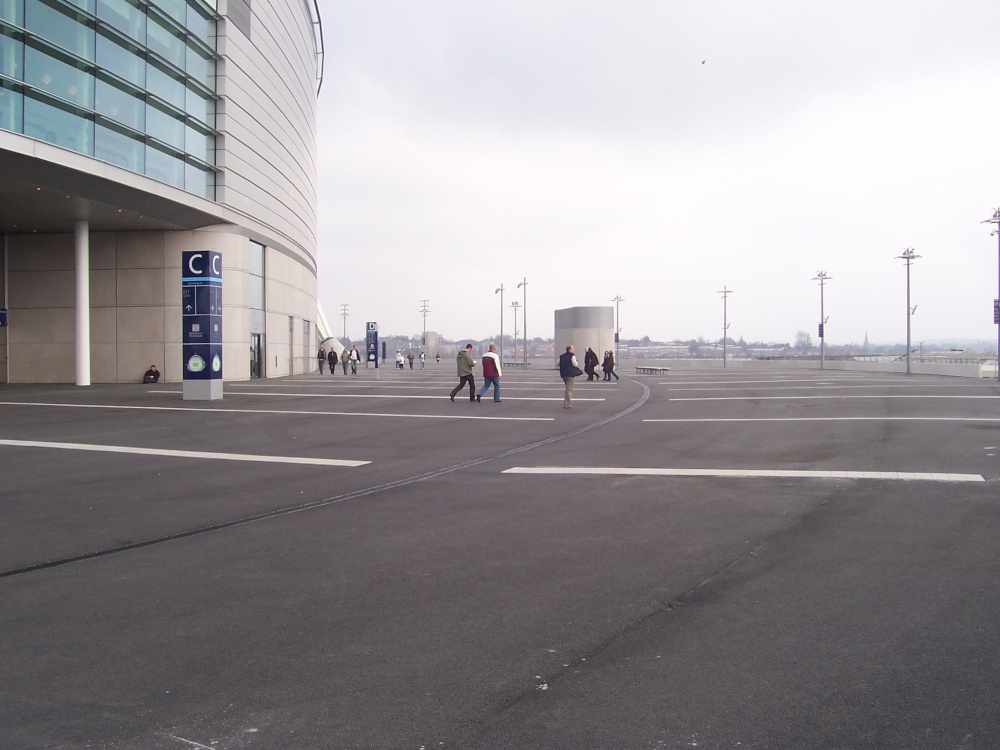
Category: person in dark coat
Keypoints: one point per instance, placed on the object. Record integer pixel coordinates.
(590, 362)
(331, 358)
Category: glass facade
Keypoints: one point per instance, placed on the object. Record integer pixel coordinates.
(130, 82)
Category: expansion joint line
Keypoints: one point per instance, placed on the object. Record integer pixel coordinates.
(314, 504)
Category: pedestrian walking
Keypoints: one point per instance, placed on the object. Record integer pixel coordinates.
(345, 357)
(410, 357)
(423, 360)
(491, 375)
(590, 363)
(331, 358)
(611, 365)
(465, 365)
(321, 357)
(568, 370)
(355, 359)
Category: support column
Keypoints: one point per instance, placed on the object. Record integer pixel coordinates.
(82, 247)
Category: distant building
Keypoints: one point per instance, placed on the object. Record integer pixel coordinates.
(131, 132)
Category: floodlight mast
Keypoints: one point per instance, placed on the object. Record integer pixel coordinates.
(617, 299)
(909, 255)
(822, 277)
(725, 292)
(524, 319)
(499, 291)
(995, 221)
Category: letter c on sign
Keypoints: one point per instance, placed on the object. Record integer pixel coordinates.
(191, 264)
(215, 264)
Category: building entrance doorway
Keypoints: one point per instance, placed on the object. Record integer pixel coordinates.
(256, 355)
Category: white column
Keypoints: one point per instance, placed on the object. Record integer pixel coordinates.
(82, 246)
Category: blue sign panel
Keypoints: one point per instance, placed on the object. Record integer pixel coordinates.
(371, 343)
(3, 317)
(201, 314)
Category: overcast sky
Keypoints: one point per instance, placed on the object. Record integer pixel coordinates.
(661, 151)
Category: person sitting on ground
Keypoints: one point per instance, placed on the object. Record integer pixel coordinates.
(152, 375)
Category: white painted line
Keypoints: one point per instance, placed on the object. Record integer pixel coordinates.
(408, 397)
(276, 411)
(832, 419)
(132, 450)
(744, 473)
(832, 398)
(822, 386)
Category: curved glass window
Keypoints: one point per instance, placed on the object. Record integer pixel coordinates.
(130, 82)
(11, 53)
(117, 145)
(58, 123)
(72, 81)
(124, 16)
(66, 28)
(11, 107)
(127, 61)
(121, 104)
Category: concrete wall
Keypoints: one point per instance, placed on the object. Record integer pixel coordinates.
(583, 327)
(135, 306)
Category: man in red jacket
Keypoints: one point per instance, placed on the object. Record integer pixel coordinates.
(491, 374)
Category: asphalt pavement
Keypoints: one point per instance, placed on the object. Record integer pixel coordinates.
(753, 557)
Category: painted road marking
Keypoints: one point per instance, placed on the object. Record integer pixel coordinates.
(821, 386)
(831, 398)
(384, 395)
(132, 450)
(830, 419)
(745, 473)
(277, 411)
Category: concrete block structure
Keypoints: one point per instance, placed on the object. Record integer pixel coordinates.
(583, 327)
(132, 131)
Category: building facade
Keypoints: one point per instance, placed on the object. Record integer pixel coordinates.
(132, 131)
(584, 327)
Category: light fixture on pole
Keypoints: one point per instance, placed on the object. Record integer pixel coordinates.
(524, 320)
(617, 299)
(515, 305)
(345, 315)
(908, 256)
(725, 321)
(996, 303)
(424, 309)
(822, 277)
(500, 292)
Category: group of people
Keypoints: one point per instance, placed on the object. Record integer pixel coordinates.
(590, 362)
(411, 358)
(492, 373)
(347, 357)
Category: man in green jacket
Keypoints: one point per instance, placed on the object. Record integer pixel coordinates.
(465, 365)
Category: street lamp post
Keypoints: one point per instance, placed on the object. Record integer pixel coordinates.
(500, 292)
(345, 315)
(908, 256)
(424, 309)
(524, 320)
(515, 305)
(822, 277)
(996, 303)
(617, 299)
(725, 321)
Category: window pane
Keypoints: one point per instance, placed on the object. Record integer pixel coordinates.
(165, 86)
(201, 26)
(87, 5)
(176, 9)
(199, 181)
(13, 11)
(165, 167)
(11, 108)
(124, 16)
(58, 77)
(200, 107)
(11, 54)
(256, 261)
(128, 62)
(199, 144)
(128, 108)
(165, 127)
(59, 125)
(255, 291)
(200, 68)
(68, 30)
(120, 148)
(167, 43)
